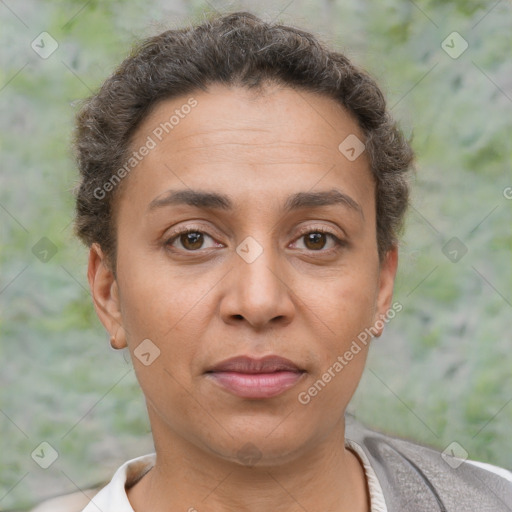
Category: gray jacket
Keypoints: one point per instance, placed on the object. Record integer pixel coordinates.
(415, 478)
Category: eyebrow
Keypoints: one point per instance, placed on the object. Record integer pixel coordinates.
(214, 200)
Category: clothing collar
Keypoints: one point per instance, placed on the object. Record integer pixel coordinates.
(113, 497)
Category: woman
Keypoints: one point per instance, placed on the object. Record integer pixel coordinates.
(242, 190)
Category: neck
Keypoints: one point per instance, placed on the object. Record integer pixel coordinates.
(185, 477)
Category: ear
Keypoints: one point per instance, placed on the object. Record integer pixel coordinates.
(105, 294)
(387, 274)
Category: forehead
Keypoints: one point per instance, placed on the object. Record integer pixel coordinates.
(309, 118)
(269, 139)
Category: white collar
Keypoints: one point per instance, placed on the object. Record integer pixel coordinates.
(113, 498)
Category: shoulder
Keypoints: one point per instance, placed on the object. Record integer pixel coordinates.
(110, 497)
(412, 474)
(72, 502)
(113, 497)
(504, 473)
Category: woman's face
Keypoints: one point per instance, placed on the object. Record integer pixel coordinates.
(284, 264)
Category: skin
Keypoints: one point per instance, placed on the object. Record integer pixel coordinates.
(201, 304)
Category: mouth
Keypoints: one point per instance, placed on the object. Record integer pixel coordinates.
(248, 377)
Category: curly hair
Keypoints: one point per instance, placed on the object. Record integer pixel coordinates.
(236, 49)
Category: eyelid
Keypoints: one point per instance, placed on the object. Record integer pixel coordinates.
(303, 230)
(340, 242)
(191, 228)
(186, 229)
(320, 228)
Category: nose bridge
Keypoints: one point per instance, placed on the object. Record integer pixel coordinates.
(256, 267)
(259, 292)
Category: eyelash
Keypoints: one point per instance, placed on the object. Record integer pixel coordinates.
(191, 229)
(307, 230)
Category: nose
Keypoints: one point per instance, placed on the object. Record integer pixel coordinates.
(258, 289)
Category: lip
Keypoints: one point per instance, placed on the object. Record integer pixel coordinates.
(249, 377)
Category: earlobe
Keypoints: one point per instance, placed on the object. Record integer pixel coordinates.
(105, 294)
(387, 273)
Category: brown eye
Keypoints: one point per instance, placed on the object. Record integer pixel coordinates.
(192, 241)
(315, 241)
(189, 240)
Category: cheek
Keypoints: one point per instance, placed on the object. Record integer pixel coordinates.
(157, 299)
(346, 306)
(173, 322)
(164, 309)
(342, 347)
(344, 310)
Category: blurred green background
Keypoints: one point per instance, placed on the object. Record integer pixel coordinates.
(442, 370)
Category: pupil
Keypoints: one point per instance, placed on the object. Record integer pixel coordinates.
(315, 238)
(193, 240)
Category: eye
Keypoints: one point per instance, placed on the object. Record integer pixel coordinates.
(191, 239)
(315, 239)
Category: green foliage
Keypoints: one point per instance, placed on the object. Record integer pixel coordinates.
(441, 372)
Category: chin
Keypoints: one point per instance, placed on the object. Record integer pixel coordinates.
(267, 446)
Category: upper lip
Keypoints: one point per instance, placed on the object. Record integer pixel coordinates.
(246, 364)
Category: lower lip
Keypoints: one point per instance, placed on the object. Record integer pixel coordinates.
(256, 385)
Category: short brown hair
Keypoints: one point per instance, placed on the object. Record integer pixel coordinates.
(237, 49)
